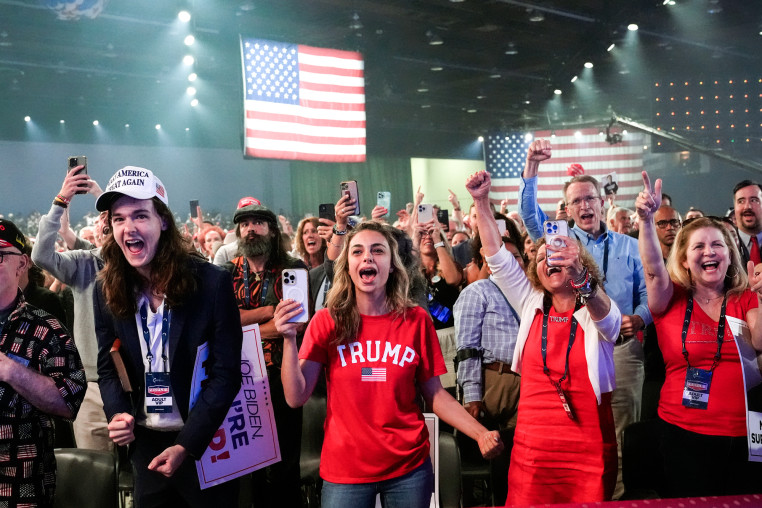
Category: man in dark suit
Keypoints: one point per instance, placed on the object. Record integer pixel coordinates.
(163, 303)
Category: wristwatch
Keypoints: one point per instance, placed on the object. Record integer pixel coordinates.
(438, 245)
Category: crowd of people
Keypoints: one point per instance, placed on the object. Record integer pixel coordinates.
(540, 349)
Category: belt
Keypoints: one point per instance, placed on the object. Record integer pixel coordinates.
(498, 367)
(621, 340)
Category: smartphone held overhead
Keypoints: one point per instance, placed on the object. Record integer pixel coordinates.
(350, 188)
(76, 161)
(384, 199)
(425, 213)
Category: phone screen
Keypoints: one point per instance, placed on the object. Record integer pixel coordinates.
(194, 208)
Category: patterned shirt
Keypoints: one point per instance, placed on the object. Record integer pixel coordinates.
(268, 282)
(485, 321)
(36, 339)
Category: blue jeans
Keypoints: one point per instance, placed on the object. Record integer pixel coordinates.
(412, 490)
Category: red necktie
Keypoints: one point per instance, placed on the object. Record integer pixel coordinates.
(754, 254)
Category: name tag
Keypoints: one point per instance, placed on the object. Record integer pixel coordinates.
(696, 391)
(158, 392)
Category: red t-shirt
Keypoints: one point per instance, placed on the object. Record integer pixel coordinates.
(725, 414)
(374, 430)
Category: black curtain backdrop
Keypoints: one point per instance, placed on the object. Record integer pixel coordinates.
(313, 183)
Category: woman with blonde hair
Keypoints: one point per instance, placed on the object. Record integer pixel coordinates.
(701, 304)
(309, 245)
(377, 348)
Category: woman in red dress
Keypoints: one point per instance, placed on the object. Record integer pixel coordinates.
(564, 449)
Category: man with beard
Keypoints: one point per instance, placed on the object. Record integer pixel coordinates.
(257, 273)
(619, 261)
(747, 202)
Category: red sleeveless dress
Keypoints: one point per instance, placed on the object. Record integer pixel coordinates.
(556, 459)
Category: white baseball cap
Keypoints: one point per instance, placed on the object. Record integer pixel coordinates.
(138, 183)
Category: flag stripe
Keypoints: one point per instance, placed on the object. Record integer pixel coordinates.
(304, 138)
(302, 102)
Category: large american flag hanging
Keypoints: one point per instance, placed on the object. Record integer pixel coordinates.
(303, 103)
(505, 156)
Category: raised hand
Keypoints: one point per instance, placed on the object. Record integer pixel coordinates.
(418, 196)
(539, 150)
(453, 199)
(478, 185)
(649, 199)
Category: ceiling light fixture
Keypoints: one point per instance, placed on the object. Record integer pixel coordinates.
(194, 103)
(632, 27)
(422, 87)
(355, 24)
(536, 16)
(189, 60)
(192, 77)
(190, 91)
(611, 48)
(436, 68)
(588, 65)
(157, 127)
(574, 79)
(557, 91)
(511, 49)
(434, 39)
(96, 123)
(189, 40)
(184, 16)
(27, 118)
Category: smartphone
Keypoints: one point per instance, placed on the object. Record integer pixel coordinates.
(194, 208)
(562, 205)
(553, 230)
(327, 211)
(78, 160)
(295, 287)
(350, 188)
(501, 226)
(443, 217)
(384, 198)
(425, 213)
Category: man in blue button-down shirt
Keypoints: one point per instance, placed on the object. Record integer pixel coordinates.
(617, 257)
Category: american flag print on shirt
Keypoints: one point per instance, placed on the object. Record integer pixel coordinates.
(302, 102)
(373, 374)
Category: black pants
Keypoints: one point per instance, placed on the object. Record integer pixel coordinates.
(278, 486)
(153, 489)
(700, 465)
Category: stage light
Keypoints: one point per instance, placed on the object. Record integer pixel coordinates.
(96, 123)
(184, 16)
(557, 91)
(62, 121)
(194, 103)
(189, 40)
(188, 60)
(27, 118)
(192, 77)
(574, 79)
(157, 127)
(588, 65)
(190, 91)
(632, 27)
(610, 48)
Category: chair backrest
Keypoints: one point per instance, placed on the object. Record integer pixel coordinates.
(450, 487)
(85, 479)
(313, 419)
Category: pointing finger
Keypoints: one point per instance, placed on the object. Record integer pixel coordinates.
(646, 181)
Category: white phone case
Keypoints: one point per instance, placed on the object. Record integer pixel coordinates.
(295, 287)
(425, 213)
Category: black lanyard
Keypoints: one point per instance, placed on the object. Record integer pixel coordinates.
(720, 331)
(165, 320)
(247, 289)
(544, 350)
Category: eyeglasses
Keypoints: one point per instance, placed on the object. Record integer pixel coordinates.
(662, 224)
(587, 199)
(6, 253)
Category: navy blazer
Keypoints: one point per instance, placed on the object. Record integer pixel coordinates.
(209, 315)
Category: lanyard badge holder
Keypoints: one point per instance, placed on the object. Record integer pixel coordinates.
(565, 403)
(158, 394)
(698, 381)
